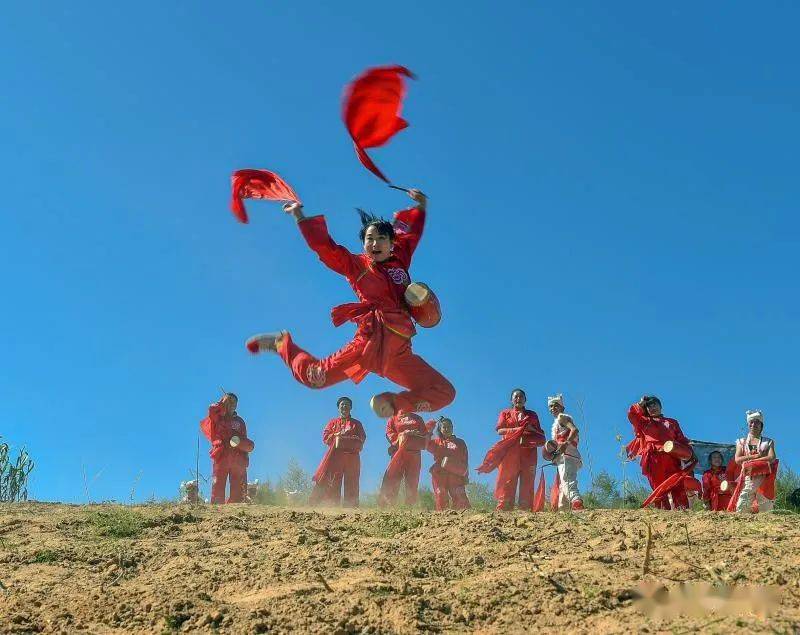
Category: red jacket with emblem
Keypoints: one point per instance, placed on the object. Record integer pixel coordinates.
(218, 428)
(409, 422)
(511, 418)
(350, 428)
(379, 286)
(452, 449)
(651, 434)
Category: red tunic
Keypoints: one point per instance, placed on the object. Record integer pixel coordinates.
(381, 315)
(218, 428)
(717, 499)
(651, 434)
(456, 453)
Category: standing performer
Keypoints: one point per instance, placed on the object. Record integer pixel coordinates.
(653, 431)
(450, 470)
(515, 454)
(341, 464)
(382, 343)
(755, 454)
(568, 459)
(714, 498)
(230, 447)
(407, 436)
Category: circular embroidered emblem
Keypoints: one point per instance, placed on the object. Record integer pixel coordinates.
(316, 376)
(398, 276)
(423, 406)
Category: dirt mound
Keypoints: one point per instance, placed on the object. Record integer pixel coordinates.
(251, 569)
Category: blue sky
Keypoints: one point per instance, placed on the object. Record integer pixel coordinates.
(613, 211)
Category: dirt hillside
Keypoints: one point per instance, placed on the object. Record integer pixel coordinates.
(256, 569)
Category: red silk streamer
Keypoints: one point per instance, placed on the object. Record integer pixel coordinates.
(258, 184)
(538, 498)
(498, 451)
(371, 110)
(322, 468)
(767, 488)
(689, 482)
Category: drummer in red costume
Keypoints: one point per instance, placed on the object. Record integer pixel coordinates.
(755, 455)
(382, 343)
(449, 473)
(407, 436)
(653, 430)
(715, 498)
(341, 465)
(230, 446)
(515, 454)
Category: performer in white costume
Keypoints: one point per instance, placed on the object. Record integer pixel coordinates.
(567, 457)
(755, 454)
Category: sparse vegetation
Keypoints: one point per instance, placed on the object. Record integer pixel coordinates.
(14, 475)
(117, 522)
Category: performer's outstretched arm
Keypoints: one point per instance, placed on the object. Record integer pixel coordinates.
(408, 226)
(315, 231)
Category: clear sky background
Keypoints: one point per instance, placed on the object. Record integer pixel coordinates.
(613, 210)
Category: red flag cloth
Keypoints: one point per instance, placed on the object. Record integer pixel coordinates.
(689, 482)
(538, 498)
(371, 110)
(496, 453)
(555, 492)
(259, 184)
(322, 468)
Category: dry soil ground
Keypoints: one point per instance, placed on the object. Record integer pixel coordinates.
(251, 569)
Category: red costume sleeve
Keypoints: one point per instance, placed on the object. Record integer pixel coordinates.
(328, 436)
(502, 423)
(360, 431)
(408, 227)
(391, 432)
(333, 256)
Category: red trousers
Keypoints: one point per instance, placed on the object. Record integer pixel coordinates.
(223, 470)
(518, 467)
(344, 469)
(409, 472)
(428, 389)
(660, 467)
(449, 491)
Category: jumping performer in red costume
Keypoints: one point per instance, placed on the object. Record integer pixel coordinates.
(382, 343)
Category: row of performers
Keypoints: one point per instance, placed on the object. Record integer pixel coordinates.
(747, 483)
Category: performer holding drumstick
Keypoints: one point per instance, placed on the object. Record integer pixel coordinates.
(383, 315)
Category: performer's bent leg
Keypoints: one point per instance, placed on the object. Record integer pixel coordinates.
(428, 389)
(238, 478)
(318, 373)
(219, 479)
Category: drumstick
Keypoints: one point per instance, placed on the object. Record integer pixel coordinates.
(402, 189)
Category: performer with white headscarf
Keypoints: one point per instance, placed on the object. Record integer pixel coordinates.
(566, 456)
(755, 453)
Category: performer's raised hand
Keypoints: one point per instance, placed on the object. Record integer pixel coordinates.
(294, 209)
(418, 197)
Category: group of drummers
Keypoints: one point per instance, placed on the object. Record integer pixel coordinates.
(745, 483)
